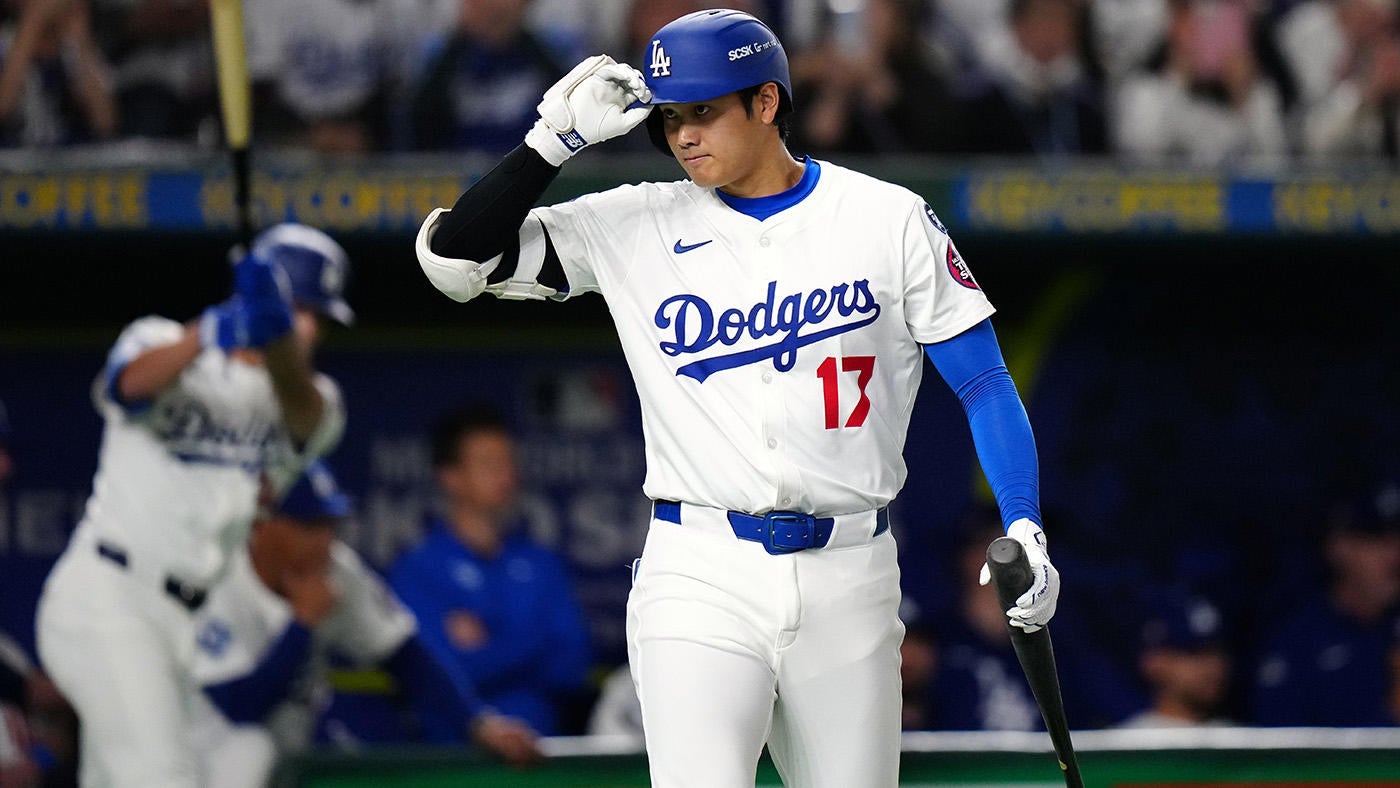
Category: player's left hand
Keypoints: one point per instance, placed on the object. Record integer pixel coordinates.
(266, 295)
(590, 104)
(509, 738)
(1034, 608)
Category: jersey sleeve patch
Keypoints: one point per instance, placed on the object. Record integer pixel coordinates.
(933, 219)
(958, 268)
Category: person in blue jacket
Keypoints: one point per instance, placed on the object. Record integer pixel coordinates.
(483, 591)
(1328, 663)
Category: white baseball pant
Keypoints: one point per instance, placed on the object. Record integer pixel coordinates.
(120, 651)
(732, 647)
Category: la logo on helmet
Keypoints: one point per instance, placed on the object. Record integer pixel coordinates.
(660, 61)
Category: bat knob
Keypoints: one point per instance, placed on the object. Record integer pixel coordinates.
(1010, 570)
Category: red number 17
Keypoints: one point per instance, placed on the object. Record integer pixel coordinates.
(864, 367)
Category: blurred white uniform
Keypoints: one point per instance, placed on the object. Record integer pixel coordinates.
(175, 492)
(242, 620)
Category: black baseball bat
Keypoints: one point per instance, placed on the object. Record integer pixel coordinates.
(235, 101)
(1011, 576)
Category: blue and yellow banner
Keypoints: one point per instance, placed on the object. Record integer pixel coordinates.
(385, 200)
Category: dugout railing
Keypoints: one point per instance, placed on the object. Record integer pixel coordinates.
(1203, 758)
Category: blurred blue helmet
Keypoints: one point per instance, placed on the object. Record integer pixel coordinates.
(315, 496)
(315, 264)
(708, 54)
(1184, 623)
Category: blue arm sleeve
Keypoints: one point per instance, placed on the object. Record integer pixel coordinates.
(972, 365)
(442, 693)
(249, 699)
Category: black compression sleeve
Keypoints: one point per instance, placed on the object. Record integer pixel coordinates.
(487, 216)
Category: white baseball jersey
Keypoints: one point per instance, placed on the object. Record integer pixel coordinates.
(243, 619)
(177, 482)
(176, 489)
(777, 361)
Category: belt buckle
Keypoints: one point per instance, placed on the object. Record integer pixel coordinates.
(775, 520)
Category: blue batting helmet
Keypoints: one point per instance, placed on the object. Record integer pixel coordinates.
(708, 54)
(315, 264)
(315, 496)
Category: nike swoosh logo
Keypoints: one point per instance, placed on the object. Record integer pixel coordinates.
(681, 248)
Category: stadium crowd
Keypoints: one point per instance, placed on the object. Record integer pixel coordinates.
(1180, 82)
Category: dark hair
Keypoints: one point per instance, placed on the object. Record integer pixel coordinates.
(781, 120)
(455, 425)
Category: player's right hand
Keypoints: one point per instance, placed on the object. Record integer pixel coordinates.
(509, 738)
(589, 105)
(224, 326)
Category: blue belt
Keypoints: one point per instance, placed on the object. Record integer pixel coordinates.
(189, 597)
(779, 532)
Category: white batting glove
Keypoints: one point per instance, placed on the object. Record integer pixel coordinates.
(590, 104)
(1034, 608)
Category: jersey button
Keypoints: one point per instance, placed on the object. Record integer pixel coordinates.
(765, 241)
(772, 443)
(768, 377)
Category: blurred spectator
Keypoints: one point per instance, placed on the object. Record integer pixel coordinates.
(55, 84)
(38, 729)
(979, 684)
(918, 665)
(575, 29)
(479, 87)
(163, 67)
(484, 591)
(1125, 34)
(1345, 57)
(293, 598)
(966, 30)
(18, 766)
(643, 18)
(1185, 664)
(1328, 663)
(1209, 102)
(872, 88)
(327, 72)
(1039, 97)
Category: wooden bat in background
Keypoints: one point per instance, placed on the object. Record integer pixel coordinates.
(1011, 576)
(235, 99)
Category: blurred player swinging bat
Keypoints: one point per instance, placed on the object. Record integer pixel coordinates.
(1011, 576)
(231, 59)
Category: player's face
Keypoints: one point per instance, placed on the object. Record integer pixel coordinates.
(716, 141)
(485, 475)
(285, 547)
(307, 326)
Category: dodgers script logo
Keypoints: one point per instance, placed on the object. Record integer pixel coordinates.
(696, 327)
(192, 433)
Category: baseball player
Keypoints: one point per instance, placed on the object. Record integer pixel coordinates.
(200, 420)
(775, 314)
(293, 600)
